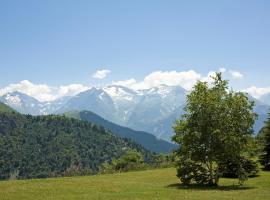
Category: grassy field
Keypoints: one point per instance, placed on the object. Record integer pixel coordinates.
(150, 184)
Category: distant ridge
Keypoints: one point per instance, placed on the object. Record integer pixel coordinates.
(147, 140)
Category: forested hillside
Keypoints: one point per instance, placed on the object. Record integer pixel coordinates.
(5, 108)
(48, 146)
(147, 140)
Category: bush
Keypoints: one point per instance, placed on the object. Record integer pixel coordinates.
(77, 171)
(230, 169)
(189, 172)
(131, 160)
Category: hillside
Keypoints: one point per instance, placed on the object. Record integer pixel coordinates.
(48, 146)
(150, 184)
(145, 139)
(5, 108)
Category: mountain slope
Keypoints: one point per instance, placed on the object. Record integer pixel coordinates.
(26, 104)
(147, 140)
(156, 111)
(95, 100)
(22, 103)
(5, 108)
(48, 146)
(265, 99)
(124, 100)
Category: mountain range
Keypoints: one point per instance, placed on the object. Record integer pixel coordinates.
(151, 110)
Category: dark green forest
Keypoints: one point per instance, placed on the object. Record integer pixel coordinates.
(51, 146)
(145, 139)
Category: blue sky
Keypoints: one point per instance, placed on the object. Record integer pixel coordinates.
(63, 42)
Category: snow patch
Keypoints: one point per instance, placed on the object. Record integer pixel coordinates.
(13, 100)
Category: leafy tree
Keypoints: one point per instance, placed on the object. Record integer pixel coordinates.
(131, 160)
(216, 126)
(265, 141)
(163, 160)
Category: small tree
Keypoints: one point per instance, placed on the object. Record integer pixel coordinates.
(216, 126)
(131, 160)
(265, 140)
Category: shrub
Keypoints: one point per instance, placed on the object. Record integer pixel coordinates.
(230, 169)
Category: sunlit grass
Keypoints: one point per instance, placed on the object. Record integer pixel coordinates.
(150, 184)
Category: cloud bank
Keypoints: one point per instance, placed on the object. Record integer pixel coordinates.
(43, 92)
(186, 79)
(257, 92)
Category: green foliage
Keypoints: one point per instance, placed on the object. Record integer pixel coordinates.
(49, 146)
(5, 108)
(163, 160)
(265, 142)
(216, 126)
(131, 160)
(189, 171)
(229, 169)
(147, 140)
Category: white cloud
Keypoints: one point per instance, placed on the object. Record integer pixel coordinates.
(43, 92)
(126, 83)
(101, 74)
(186, 79)
(257, 92)
(236, 74)
(70, 90)
(208, 78)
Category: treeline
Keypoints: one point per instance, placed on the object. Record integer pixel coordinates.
(133, 160)
(51, 146)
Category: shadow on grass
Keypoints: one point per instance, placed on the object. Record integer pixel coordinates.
(206, 187)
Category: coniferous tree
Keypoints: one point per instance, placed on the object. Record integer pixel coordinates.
(265, 140)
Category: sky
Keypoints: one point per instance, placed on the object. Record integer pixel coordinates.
(66, 46)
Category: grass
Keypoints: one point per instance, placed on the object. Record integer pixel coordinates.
(150, 184)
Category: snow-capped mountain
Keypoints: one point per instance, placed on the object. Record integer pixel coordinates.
(124, 100)
(95, 100)
(28, 105)
(124, 106)
(152, 110)
(22, 103)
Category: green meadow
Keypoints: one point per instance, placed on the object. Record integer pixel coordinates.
(149, 184)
